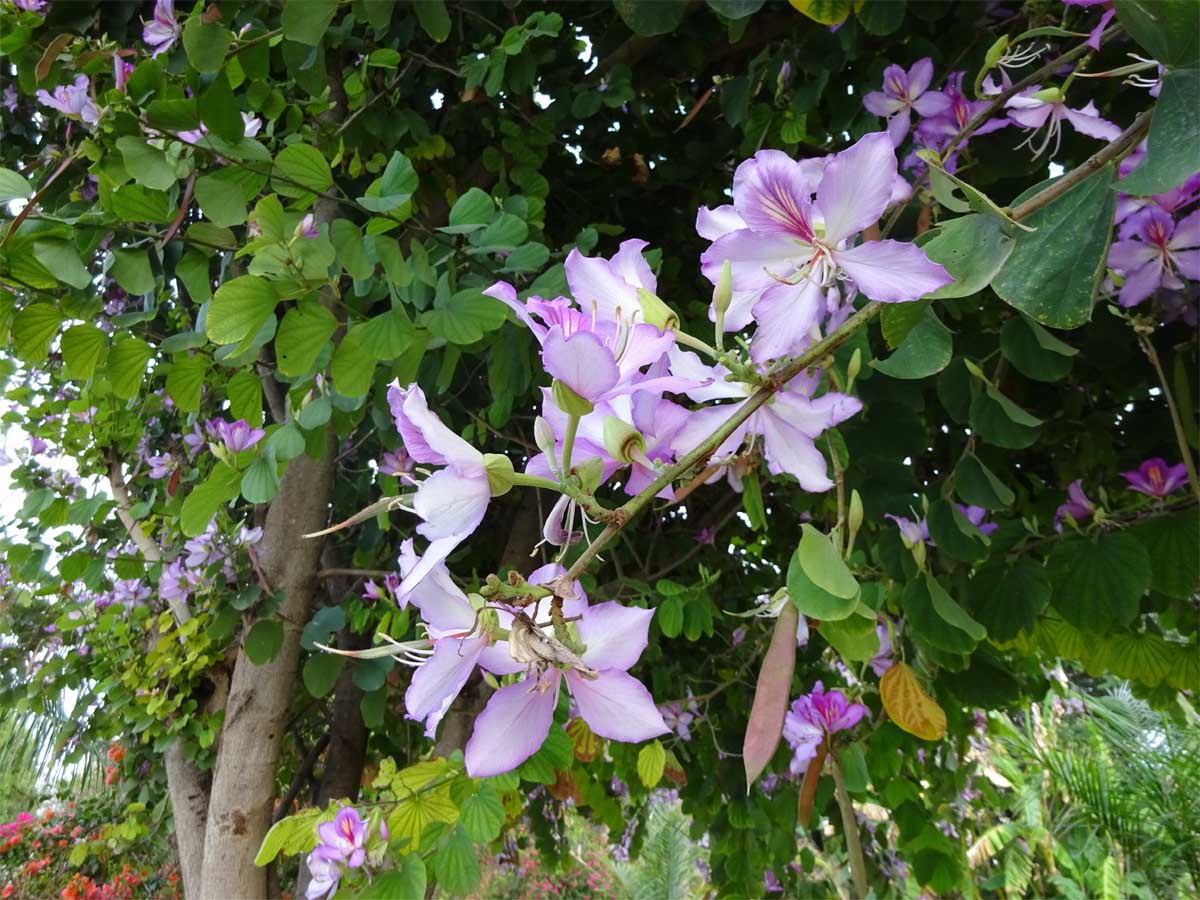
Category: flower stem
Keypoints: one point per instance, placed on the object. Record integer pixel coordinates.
(569, 444)
(536, 481)
(1180, 433)
(858, 868)
(682, 337)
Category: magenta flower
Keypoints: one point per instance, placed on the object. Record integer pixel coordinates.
(34, 6)
(162, 31)
(788, 424)
(1165, 252)
(1155, 478)
(238, 436)
(345, 837)
(795, 243)
(614, 704)
(73, 100)
(1078, 506)
(904, 92)
(121, 71)
(452, 501)
(1034, 112)
(458, 646)
(815, 716)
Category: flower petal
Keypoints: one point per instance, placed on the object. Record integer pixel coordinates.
(892, 271)
(436, 683)
(716, 223)
(451, 503)
(812, 417)
(513, 726)
(785, 315)
(617, 706)
(596, 285)
(426, 438)
(1087, 121)
(581, 362)
(756, 260)
(630, 265)
(789, 451)
(919, 77)
(771, 193)
(1187, 233)
(615, 635)
(1141, 283)
(507, 294)
(856, 187)
(442, 604)
(436, 552)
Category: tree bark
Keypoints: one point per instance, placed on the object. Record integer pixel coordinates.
(244, 789)
(189, 789)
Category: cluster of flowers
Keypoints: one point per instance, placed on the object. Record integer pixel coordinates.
(212, 552)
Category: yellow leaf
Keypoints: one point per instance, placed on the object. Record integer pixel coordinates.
(908, 704)
(827, 12)
(411, 817)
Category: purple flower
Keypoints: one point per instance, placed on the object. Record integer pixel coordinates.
(161, 465)
(882, 660)
(345, 837)
(176, 582)
(1155, 478)
(238, 436)
(194, 442)
(452, 501)
(162, 31)
(798, 221)
(614, 704)
(35, 6)
(975, 515)
(308, 227)
(904, 92)
(1035, 109)
(911, 532)
(121, 71)
(706, 535)
(771, 883)
(1078, 506)
(1165, 252)
(812, 718)
(679, 716)
(395, 462)
(72, 100)
(10, 98)
(1093, 40)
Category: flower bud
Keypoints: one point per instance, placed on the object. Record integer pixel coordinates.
(590, 473)
(489, 620)
(853, 368)
(1049, 95)
(995, 52)
(656, 312)
(543, 436)
(568, 401)
(723, 291)
(918, 552)
(622, 441)
(854, 517)
(499, 473)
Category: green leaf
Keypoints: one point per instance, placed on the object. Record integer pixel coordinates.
(1172, 151)
(244, 392)
(286, 442)
(33, 328)
(315, 414)
(406, 881)
(973, 249)
(62, 260)
(1053, 273)
(880, 17)
(173, 115)
(1007, 599)
(950, 611)
(977, 486)
(299, 169)
(304, 332)
(854, 637)
(126, 366)
(202, 503)
(321, 672)
(433, 18)
(352, 367)
(926, 626)
(305, 21)
(1168, 29)
(13, 186)
(219, 110)
(953, 534)
(290, 836)
(1099, 584)
(999, 421)
(455, 864)
(326, 622)
(824, 565)
(1034, 351)
(505, 232)
(347, 240)
(135, 203)
(192, 270)
(925, 350)
(898, 319)
(239, 309)
(482, 815)
(471, 211)
(185, 379)
(261, 481)
(465, 317)
(148, 165)
(527, 258)
(131, 269)
(220, 197)
(812, 600)
(205, 43)
(735, 9)
(648, 19)
(263, 640)
(371, 674)
(1171, 542)
(83, 348)
(670, 617)
(394, 187)
(387, 335)
(651, 761)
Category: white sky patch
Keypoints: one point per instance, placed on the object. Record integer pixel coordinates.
(436, 99)
(586, 56)
(1056, 170)
(542, 100)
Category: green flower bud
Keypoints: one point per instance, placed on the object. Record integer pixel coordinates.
(723, 292)
(918, 552)
(499, 473)
(622, 441)
(569, 401)
(589, 473)
(853, 368)
(489, 620)
(1049, 95)
(995, 52)
(854, 517)
(656, 312)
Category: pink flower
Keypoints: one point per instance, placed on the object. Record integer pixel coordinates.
(1165, 252)
(815, 716)
(73, 100)
(1035, 109)
(904, 92)
(1078, 506)
(1155, 478)
(162, 31)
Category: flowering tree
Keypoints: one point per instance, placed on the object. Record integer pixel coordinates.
(426, 414)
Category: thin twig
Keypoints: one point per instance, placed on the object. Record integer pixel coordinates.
(1176, 420)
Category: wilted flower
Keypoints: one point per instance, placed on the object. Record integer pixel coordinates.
(815, 716)
(1155, 478)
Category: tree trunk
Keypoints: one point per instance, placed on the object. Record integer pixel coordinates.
(244, 789)
(189, 789)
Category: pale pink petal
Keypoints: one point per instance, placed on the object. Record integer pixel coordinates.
(771, 193)
(856, 187)
(581, 362)
(451, 503)
(644, 345)
(497, 658)
(442, 604)
(788, 451)
(690, 366)
(597, 287)
(616, 706)
(702, 423)
(426, 438)
(786, 314)
(716, 223)
(813, 417)
(756, 260)
(1087, 121)
(437, 682)
(1029, 116)
(513, 726)
(615, 635)
(507, 295)
(632, 266)
(435, 553)
(892, 271)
